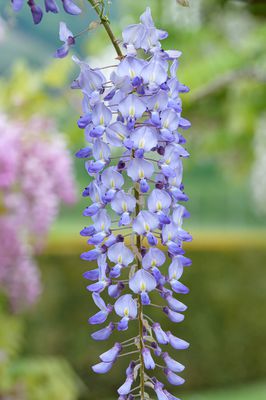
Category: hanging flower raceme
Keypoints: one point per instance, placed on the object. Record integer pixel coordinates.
(134, 208)
(32, 157)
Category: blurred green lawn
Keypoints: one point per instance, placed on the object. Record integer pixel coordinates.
(251, 392)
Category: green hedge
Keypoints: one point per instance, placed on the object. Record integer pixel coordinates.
(225, 321)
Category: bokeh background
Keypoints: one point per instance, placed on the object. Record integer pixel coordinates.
(48, 348)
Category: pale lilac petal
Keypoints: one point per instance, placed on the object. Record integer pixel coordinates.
(103, 334)
(111, 355)
(126, 306)
(102, 367)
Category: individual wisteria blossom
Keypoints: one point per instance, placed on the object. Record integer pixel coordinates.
(135, 205)
(50, 6)
(67, 37)
(32, 157)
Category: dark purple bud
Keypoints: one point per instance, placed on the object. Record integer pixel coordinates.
(104, 248)
(182, 140)
(50, 5)
(91, 210)
(164, 219)
(164, 86)
(131, 123)
(130, 368)
(110, 95)
(84, 153)
(157, 349)
(36, 12)
(137, 81)
(152, 239)
(159, 185)
(121, 165)
(161, 150)
(87, 231)
(86, 192)
(143, 251)
(84, 121)
(139, 153)
(70, 40)
(119, 238)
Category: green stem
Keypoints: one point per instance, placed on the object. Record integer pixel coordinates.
(106, 24)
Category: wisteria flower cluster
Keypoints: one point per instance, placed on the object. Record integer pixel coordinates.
(32, 158)
(136, 209)
(50, 6)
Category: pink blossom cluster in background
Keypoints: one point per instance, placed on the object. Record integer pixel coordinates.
(35, 176)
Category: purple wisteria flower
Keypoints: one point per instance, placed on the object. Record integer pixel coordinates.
(50, 6)
(135, 203)
(135, 231)
(67, 37)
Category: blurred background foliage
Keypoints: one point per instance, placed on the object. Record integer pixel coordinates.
(224, 64)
